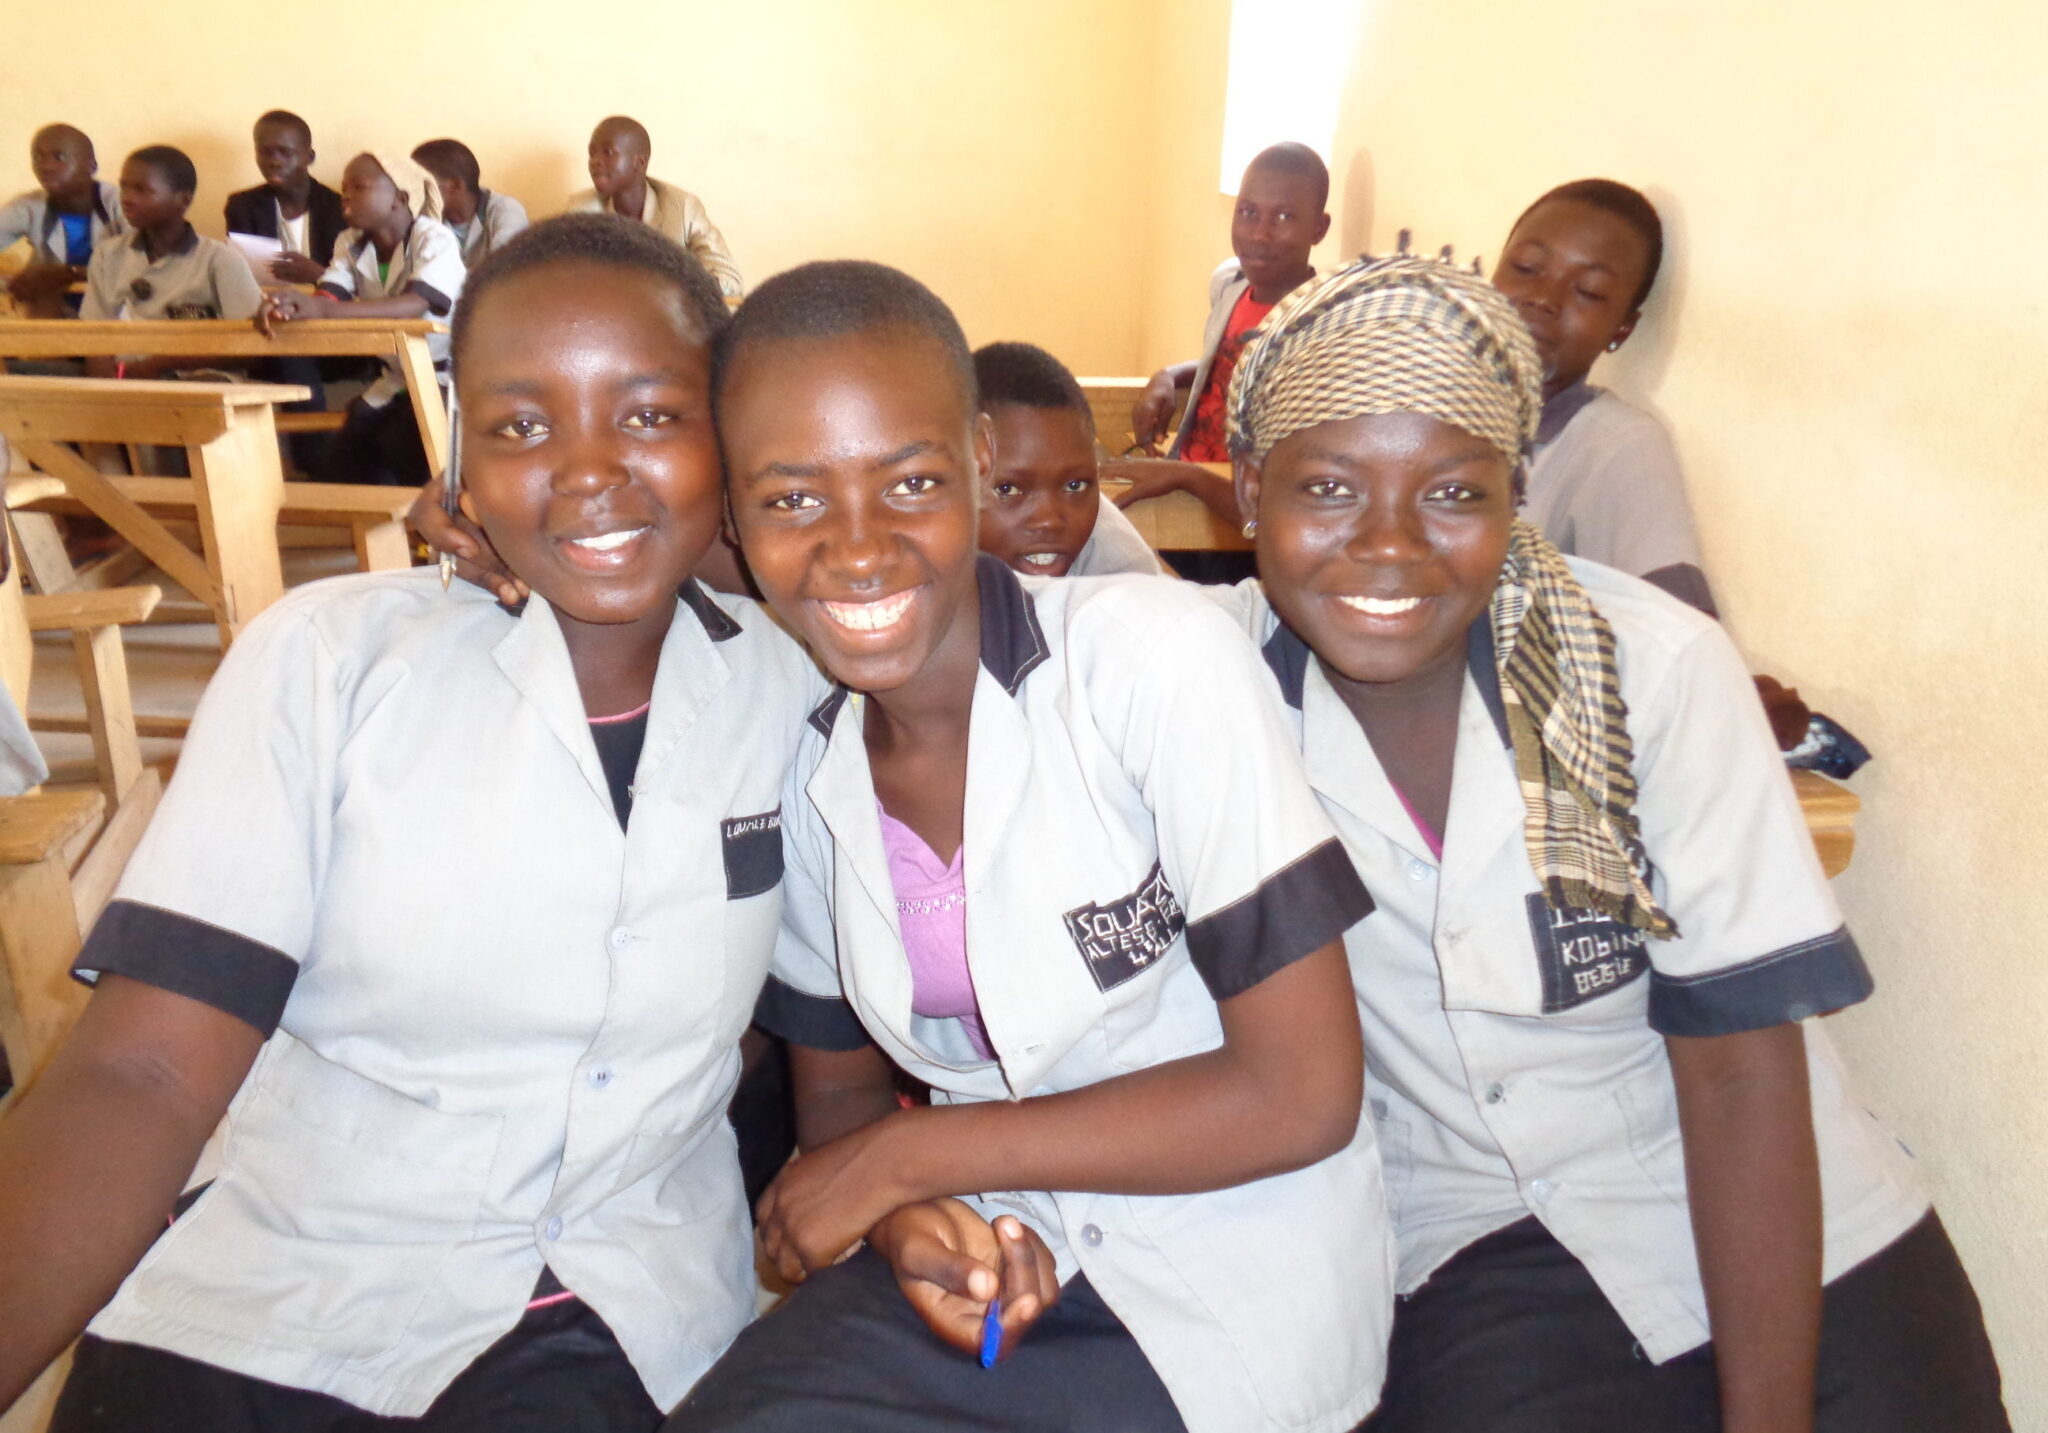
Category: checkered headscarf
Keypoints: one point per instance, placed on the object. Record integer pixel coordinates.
(1412, 335)
(421, 190)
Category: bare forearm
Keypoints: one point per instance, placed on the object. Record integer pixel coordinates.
(1753, 1179)
(95, 1158)
(398, 306)
(826, 1116)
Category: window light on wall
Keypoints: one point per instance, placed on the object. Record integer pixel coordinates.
(1288, 63)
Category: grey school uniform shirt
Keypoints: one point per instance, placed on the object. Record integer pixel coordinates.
(1515, 1055)
(196, 277)
(1139, 845)
(29, 216)
(502, 1031)
(498, 217)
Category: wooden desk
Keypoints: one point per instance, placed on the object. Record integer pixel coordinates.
(230, 438)
(1182, 522)
(1111, 400)
(404, 341)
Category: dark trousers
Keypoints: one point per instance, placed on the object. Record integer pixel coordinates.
(308, 450)
(845, 1353)
(377, 445)
(559, 1371)
(1513, 1336)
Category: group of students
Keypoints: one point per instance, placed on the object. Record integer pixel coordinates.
(1378, 994)
(395, 242)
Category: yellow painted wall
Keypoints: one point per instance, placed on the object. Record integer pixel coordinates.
(985, 147)
(1851, 343)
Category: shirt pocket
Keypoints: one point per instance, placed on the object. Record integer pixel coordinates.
(339, 1203)
(752, 846)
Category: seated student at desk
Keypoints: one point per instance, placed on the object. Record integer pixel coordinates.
(290, 205)
(1604, 482)
(64, 220)
(619, 151)
(397, 260)
(483, 219)
(162, 267)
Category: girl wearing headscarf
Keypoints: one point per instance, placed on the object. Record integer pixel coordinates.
(1630, 1185)
(395, 260)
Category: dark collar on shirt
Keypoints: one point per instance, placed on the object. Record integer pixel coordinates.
(1289, 657)
(1012, 643)
(184, 244)
(1559, 411)
(52, 216)
(719, 625)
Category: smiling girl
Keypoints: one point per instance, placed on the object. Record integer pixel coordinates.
(1050, 853)
(456, 913)
(1631, 1187)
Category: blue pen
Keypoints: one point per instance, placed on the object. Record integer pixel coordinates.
(992, 1333)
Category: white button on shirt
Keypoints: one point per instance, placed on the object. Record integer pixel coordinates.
(1523, 1039)
(390, 833)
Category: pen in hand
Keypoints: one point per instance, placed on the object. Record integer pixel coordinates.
(451, 482)
(992, 1333)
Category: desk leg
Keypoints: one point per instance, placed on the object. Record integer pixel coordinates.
(239, 488)
(417, 364)
(38, 937)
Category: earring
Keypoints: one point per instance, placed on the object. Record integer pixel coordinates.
(1614, 346)
(1251, 529)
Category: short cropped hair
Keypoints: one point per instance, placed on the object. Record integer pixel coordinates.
(1624, 203)
(593, 239)
(838, 297)
(1298, 160)
(173, 164)
(1026, 375)
(450, 156)
(289, 120)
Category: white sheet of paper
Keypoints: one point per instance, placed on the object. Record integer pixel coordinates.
(258, 251)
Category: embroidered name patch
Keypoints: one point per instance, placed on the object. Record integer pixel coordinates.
(753, 853)
(1582, 953)
(1120, 939)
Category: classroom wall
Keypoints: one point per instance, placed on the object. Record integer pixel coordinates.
(1851, 344)
(988, 148)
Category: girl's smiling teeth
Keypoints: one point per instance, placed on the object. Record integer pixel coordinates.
(1381, 606)
(875, 616)
(1043, 559)
(608, 541)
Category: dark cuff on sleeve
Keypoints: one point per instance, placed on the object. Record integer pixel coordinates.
(818, 1022)
(234, 974)
(438, 303)
(1297, 910)
(1796, 983)
(334, 291)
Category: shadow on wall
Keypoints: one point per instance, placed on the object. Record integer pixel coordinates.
(1638, 370)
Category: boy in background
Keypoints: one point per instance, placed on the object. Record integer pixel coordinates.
(64, 220)
(290, 205)
(1042, 511)
(619, 150)
(482, 219)
(162, 267)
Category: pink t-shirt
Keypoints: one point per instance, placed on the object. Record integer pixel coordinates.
(931, 911)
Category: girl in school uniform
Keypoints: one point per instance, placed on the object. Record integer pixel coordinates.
(395, 260)
(1051, 853)
(456, 913)
(1631, 1186)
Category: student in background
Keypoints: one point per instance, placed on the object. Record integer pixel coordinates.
(1042, 511)
(290, 205)
(457, 914)
(1635, 1189)
(482, 218)
(162, 267)
(1604, 482)
(396, 260)
(64, 220)
(619, 151)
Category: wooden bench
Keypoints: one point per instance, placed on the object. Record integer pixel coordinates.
(374, 516)
(230, 441)
(403, 341)
(1182, 522)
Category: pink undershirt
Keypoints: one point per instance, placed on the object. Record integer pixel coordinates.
(931, 911)
(1422, 827)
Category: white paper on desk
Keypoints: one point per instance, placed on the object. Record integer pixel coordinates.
(258, 252)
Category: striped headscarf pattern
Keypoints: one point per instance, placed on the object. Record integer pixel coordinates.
(1417, 335)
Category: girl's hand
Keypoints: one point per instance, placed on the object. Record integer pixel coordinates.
(476, 561)
(285, 305)
(296, 269)
(827, 1199)
(950, 1262)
